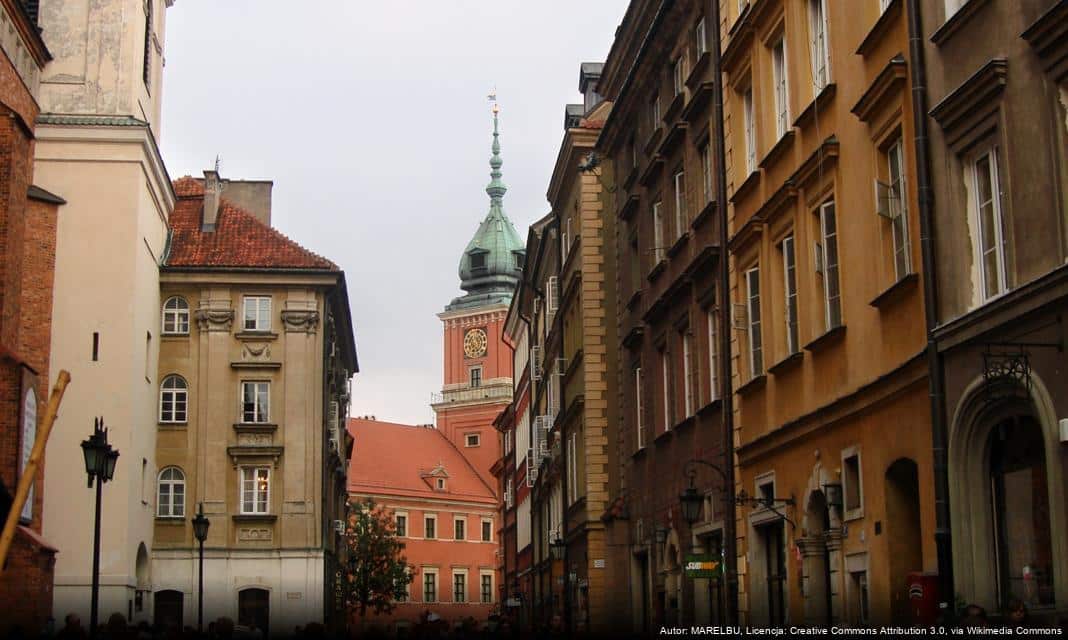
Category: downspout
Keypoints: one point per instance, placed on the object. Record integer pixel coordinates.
(726, 384)
(935, 373)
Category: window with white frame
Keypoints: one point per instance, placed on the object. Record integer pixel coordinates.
(706, 171)
(700, 38)
(173, 400)
(756, 345)
(402, 525)
(782, 100)
(952, 6)
(819, 51)
(255, 490)
(430, 526)
(852, 490)
(639, 408)
(789, 275)
(711, 321)
(986, 202)
(898, 209)
(658, 233)
(828, 255)
(572, 468)
(487, 528)
(257, 313)
(175, 316)
(170, 493)
(681, 217)
(749, 116)
(459, 585)
(475, 377)
(665, 374)
(471, 440)
(678, 74)
(486, 587)
(688, 371)
(459, 527)
(430, 585)
(255, 401)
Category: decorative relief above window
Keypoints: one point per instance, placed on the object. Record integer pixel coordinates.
(300, 321)
(215, 319)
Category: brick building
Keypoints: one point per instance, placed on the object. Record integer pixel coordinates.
(28, 216)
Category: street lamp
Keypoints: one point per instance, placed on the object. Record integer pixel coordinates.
(100, 461)
(557, 548)
(200, 531)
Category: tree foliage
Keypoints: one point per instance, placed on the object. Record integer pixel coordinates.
(378, 573)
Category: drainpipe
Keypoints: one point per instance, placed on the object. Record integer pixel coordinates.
(936, 374)
(726, 384)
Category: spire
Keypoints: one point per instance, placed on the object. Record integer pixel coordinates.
(496, 188)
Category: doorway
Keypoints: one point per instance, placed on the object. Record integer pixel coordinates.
(817, 561)
(254, 609)
(903, 539)
(167, 607)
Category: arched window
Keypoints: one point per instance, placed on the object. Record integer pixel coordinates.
(170, 502)
(173, 396)
(175, 316)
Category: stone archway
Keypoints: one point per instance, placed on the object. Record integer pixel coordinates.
(820, 545)
(903, 539)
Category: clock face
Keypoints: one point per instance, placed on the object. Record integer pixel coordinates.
(475, 343)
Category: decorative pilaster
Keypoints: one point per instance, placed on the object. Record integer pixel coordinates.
(300, 321)
(214, 315)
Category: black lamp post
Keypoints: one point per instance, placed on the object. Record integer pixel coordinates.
(557, 548)
(200, 531)
(100, 461)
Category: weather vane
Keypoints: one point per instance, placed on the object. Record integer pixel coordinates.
(492, 97)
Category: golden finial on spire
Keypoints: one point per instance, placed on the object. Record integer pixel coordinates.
(493, 98)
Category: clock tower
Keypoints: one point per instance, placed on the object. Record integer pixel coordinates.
(478, 364)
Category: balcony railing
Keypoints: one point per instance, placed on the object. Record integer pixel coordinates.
(472, 394)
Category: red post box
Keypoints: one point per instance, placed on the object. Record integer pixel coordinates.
(923, 598)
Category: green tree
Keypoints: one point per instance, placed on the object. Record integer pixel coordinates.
(378, 573)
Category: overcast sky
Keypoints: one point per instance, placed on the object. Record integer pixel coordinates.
(371, 118)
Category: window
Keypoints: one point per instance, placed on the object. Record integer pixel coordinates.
(257, 313)
(572, 468)
(658, 233)
(852, 492)
(706, 171)
(459, 587)
(430, 586)
(789, 274)
(402, 525)
(898, 209)
(688, 385)
(713, 361)
(828, 254)
(952, 6)
(678, 74)
(639, 408)
(173, 400)
(986, 200)
(487, 525)
(175, 316)
(860, 589)
(654, 112)
(441, 484)
(756, 351)
(478, 260)
(565, 239)
(699, 38)
(518, 257)
(255, 489)
(459, 527)
(486, 588)
(96, 346)
(476, 377)
(255, 402)
(146, 67)
(430, 525)
(471, 440)
(170, 493)
(782, 102)
(665, 373)
(750, 131)
(817, 24)
(681, 219)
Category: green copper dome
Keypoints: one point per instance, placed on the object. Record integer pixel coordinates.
(492, 263)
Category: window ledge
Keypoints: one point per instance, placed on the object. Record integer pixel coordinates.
(256, 335)
(657, 269)
(255, 427)
(253, 364)
(254, 517)
(634, 299)
(956, 21)
(778, 149)
(675, 106)
(710, 407)
(663, 436)
(881, 27)
(698, 70)
(853, 514)
(818, 103)
(173, 426)
(834, 336)
(174, 337)
(632, 175)
(896, 291)
(653, 140)
(630, 205)
(754, 383)
(788, 363)
(639, 452)
(679, 243)
(685, 422)
(747, 185)
(171, 521)
(705, 214)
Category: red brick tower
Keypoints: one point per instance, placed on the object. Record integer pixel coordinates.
(478, 364)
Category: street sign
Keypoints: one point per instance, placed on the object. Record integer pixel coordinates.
(703, 566)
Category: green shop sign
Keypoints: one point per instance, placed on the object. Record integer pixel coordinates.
(703, 566)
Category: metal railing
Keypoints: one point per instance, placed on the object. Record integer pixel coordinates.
(471, 394)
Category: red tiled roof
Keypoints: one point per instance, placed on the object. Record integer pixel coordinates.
(393, 459)
(238, 240)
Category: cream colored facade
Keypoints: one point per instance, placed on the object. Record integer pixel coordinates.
(96, 145)
(290, 550)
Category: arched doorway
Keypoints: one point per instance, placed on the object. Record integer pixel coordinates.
(143, 573)
(1020, 499)
(903, 539)
(167, 609)
(816, 561)
(672, 583)
(254, 609)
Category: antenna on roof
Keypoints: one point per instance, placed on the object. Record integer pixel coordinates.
(218, 163)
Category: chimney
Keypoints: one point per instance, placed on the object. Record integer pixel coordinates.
(212, 195)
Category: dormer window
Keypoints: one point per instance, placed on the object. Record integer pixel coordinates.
(440, 484)
(478, 260)
(519, 258)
